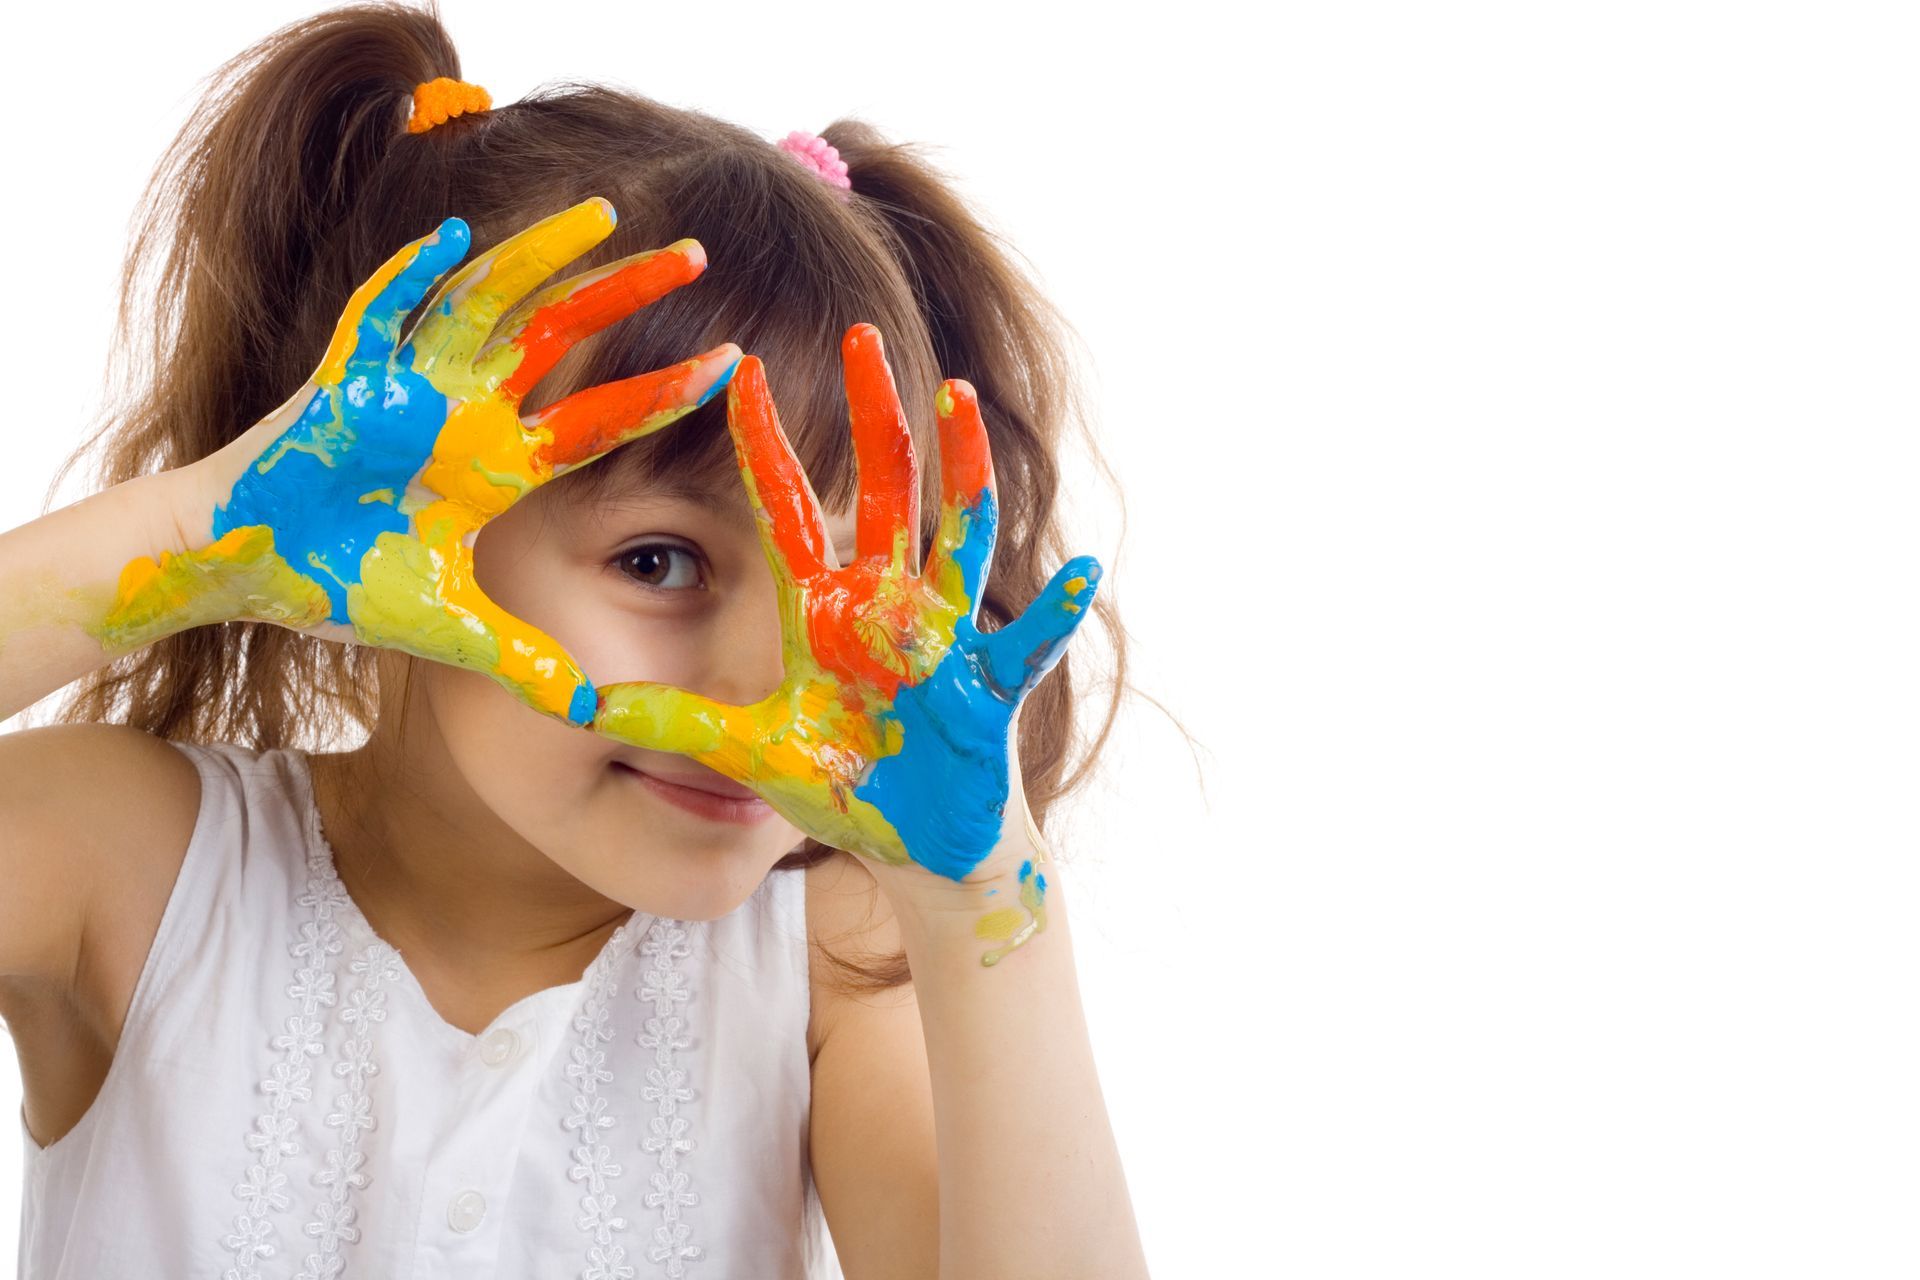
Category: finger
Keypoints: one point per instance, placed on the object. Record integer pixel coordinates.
(969, 513)
(792, 530)
(540, 330)
(593, 422)
(1027, 648)
(663, 717)
(471, 302)
(369, 328)
(889, 479)
(422, 597)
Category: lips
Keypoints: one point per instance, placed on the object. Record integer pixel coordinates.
(705, 780)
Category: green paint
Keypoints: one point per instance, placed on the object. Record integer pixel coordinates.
(396, 604)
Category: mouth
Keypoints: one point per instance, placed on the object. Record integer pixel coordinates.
(737, 804)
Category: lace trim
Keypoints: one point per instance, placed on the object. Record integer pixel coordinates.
(273, 1138)
(665, 985)
(377, 964)
(592, 1159)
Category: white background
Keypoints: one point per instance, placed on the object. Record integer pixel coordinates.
(1515, 405)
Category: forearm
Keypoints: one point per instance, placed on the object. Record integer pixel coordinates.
(1031, 1183)
(60, 579)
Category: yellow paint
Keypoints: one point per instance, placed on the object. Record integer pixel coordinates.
(800, 748)
(997, 924)
(1032, 899)
(237, 576)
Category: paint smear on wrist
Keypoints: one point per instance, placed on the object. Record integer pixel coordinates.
(237, 575)
(1006, 923)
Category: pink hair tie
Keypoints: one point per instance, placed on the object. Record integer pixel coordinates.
(819, 155)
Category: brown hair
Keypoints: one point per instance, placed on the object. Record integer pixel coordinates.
(296, 177)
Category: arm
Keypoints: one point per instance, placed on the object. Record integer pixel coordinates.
(349, 512)
(892, 736)
(59, 575)
(1005, 1167)
(871, 1137)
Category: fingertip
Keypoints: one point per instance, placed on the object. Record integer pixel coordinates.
(692, 250)
(729, 353)
(954, 395)
(603, 206)
(586, 705)
(746, 378)
(449, 240)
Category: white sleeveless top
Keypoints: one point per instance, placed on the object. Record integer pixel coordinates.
(286, 1103)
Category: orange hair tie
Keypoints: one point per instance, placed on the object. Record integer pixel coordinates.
(438, 101)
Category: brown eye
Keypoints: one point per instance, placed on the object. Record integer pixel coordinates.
(662, 566)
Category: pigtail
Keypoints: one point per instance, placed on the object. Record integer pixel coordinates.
(219, 322)
(992, 327)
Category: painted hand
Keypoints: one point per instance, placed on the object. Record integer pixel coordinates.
(351, 511)
(890, 735)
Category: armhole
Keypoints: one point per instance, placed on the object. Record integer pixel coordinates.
(798, 917)
(161, 956)
(819, 1260)
(155, 969)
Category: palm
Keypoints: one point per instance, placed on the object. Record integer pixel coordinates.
(355, 514)
(890, 733)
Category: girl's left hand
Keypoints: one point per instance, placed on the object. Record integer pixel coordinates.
(891, 735)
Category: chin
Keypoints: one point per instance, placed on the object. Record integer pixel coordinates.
(717, 894)
(660, 857)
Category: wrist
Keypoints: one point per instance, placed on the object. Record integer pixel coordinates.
(996, 908)
(185, 577)
(914, 883)
(186, 498)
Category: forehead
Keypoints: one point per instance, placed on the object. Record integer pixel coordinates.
(730, 504)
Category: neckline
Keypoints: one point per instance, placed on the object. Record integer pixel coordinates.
(543, 1005)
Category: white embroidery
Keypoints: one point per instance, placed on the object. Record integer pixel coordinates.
(593, 1159)
(377, 964)
(665, 1033)
(273, 1137)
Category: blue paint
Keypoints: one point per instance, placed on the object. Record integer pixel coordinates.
(373, 431)
(719, 385)
(945, 791)
(586, 701)
(982, 522)
(1028, 647)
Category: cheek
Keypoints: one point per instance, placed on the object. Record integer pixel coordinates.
(549, 785)
(533, 578)
(518, 570)
(510, 754)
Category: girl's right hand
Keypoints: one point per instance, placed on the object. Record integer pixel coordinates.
(350, 512)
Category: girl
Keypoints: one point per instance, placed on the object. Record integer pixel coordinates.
(653, 971)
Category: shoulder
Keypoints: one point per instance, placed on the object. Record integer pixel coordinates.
(94, 813)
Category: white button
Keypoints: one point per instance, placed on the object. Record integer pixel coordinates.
(466, 1210)
(499, 1046)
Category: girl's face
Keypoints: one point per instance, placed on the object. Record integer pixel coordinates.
(640, 586)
